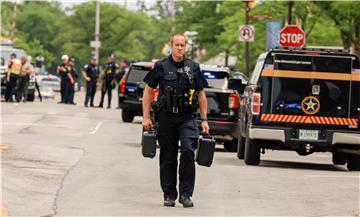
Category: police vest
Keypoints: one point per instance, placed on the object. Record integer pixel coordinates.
(177, 91)
(15, 67)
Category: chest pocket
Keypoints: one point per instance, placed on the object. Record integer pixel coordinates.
(170, 80)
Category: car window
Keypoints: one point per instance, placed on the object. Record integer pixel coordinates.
(258, 67)
(215, 74)
(137, 73)
(335, 64)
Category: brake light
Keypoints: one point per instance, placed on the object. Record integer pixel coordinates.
(255, 103)
(233, 101)
(122, 86)
(154, 95)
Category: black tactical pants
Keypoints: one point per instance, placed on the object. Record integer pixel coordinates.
(90, 92)
(23, 83)
(11, 88)
(171, 129)
(69, 92)
(63, 85)
(107, 87)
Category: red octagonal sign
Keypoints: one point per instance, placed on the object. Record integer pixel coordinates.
(292, 36)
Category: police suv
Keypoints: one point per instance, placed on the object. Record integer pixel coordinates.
(131, 90)
(305, 100)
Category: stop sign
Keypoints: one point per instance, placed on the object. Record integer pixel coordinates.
(292, 36)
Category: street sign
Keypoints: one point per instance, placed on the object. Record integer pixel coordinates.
(292, 36)
(95, 44)
(246, 33)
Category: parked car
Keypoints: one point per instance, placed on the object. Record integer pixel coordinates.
(223, 105)
(131, 90)
(303, 100)
(49, 81)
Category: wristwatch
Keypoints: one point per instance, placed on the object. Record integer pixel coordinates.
(203, 119)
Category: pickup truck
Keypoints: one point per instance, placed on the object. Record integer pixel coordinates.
(303, 100)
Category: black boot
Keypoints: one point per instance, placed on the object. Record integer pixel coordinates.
(168, 201)
(186, 202)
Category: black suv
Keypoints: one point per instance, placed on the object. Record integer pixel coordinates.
(223, 104)
(305, 100)
(131, 90)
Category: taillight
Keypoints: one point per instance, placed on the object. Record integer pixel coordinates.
(154, 95)
(233, 101)
(122, 86)
(255, 103)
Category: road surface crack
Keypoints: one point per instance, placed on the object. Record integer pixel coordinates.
(55, 206)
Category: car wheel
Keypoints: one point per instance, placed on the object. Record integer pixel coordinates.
(31, 97)
(353, 162)
(231, 146)
(252, 151)
(339, 158)
(127, 116)
(241, 148)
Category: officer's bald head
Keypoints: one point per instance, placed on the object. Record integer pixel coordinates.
(177, 36)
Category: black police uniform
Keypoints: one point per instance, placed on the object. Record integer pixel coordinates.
(69, 87)
(63, 83)
(108, 83)
(179, 84)
(92, 72)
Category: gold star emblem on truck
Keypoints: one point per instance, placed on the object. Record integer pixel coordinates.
(310, 105)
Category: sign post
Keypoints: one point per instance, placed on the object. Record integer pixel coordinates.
(292, 36)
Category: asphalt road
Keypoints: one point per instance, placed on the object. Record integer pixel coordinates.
(63, 160)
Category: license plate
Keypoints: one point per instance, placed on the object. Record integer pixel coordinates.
(308, 134)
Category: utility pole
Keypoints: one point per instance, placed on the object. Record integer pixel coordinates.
(13, 28)
(97, 31)
(290, 5)
(173, 10)
(247, 45)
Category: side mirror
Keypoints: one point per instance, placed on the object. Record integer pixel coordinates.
(236, 84)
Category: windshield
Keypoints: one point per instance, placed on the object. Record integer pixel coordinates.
(137, 73)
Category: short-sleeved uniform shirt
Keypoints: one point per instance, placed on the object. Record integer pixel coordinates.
(157, 73)
(110, 69)
(91, 71)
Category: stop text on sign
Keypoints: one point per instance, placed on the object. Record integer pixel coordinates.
(292, 36)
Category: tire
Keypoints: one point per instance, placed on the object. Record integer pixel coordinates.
(231, 146)
(353, 162)
(127, 116)
(31, 97)
(252, 151)
(241, 148)
(339, 158)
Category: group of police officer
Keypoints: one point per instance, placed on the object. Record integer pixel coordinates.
(91, 73)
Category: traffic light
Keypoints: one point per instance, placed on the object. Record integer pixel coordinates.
(251, 4)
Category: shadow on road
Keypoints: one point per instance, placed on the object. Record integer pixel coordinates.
(301, 165)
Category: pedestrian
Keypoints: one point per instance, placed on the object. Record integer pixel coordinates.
(12, 74)
(181, 85)
(62, 71)
(108, 84)
(24, 78)
(90, 73)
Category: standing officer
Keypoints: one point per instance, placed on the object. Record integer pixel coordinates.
(110, 69)
(70, 83)
(181, 85)
(12, 74)
(24, 77)
(90, 73)
(62, 71)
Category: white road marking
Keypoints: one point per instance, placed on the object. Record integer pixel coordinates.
(38, 124)
(51, 113)
(332, 176)
(98, 125)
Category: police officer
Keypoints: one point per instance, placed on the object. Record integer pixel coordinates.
(90, 73)
(70, 83)
(12, 74)
(62, 71)
(181, 85)
(110, 69)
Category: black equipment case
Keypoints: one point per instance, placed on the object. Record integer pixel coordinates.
(148, 143)
(205, 151)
